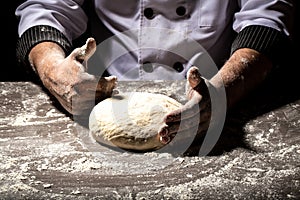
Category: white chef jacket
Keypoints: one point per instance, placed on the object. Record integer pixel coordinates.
(158, 39)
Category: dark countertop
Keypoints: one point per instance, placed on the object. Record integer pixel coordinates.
(46, 154)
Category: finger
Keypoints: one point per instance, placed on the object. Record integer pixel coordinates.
(94, 83)
(96, 88)
(63, 102)
(190, 109)
(86, 51)
(196, 84)
(194, 77)
(173, 127)
(184, 133)
(73, 105)
(186, 124)
(107, 83)
(105, 87)
(165, 140)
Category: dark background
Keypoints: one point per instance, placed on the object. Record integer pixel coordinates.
(12, 71)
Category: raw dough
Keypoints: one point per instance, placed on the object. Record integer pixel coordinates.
(131, 120)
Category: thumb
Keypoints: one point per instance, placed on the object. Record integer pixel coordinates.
(86, 51)
(194, 80)
(194, 77)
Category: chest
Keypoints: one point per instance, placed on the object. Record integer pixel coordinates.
(201, 13)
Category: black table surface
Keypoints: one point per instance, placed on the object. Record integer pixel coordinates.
(46, 154)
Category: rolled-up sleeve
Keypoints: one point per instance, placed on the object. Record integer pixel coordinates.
(66, 16)
(49, 20)
(263, 25)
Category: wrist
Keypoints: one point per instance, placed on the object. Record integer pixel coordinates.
(38, 34)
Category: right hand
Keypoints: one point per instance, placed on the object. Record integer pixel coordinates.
(66, 77)
(194, 115)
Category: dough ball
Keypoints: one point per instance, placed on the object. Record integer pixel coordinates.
(131, 120)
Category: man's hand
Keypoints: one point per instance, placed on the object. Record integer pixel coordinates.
(245, 70)
(194, 114)
(67, 78)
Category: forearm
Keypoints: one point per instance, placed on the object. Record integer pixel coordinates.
(254, 51)
(43, 57)
(244, 71)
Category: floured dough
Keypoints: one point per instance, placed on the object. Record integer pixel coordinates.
(131, 120)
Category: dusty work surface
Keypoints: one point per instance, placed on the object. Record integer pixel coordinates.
(45, 154)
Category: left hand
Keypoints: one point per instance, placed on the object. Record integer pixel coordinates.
(67, 77)
(195, 113)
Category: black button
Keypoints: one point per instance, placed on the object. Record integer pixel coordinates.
(147, 66)
(148, 13)
(178, 66)
(181, 11)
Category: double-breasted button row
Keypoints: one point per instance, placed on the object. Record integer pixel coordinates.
(150, 14)
(148, 67)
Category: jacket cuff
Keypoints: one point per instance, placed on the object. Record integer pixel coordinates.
(265, 40)
(35, 35)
